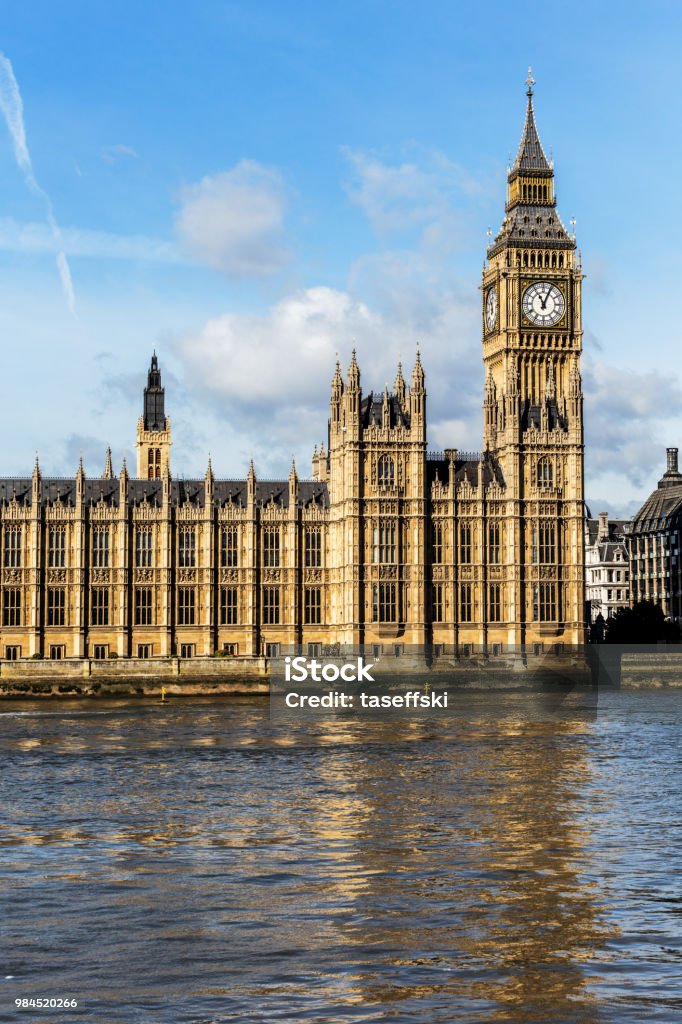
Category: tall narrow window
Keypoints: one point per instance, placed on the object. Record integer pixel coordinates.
(187, 551)
(384, 602)
(228, 606)
(465, 544)
(271, 547)
(100, 606)
(313, 547)
(11, 606)
(466, 612)
(544, 602)
(154, 464)
(186, 606)
(544, 542)
(312, 606)
(494, 543)
(56, 547)
(438, 605)
(383, 549)
(12, 547)
(494, 603)
(437, 549)
(56, 606)
(229, 540)
(271, 606)
(100, 547)
(386, 471)
(143, 606)
(545, 473)
(143, 547)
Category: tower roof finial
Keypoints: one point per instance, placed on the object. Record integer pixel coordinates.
(530, 158)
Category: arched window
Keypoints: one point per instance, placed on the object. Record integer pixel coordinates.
(386, 471)
(545, 474)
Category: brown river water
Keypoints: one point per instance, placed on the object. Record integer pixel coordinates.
(518, 861)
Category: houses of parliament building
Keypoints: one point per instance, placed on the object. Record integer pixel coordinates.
(389, 545)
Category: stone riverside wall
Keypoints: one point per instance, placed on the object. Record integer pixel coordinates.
(651, 671)
(141, 677)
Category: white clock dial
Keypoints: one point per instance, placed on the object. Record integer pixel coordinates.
(543, 304)
(491, 308)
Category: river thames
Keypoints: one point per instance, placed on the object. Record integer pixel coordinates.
(516, 861)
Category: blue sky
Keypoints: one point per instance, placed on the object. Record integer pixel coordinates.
(252, 187)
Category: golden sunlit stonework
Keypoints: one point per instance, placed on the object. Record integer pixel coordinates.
(388, 545)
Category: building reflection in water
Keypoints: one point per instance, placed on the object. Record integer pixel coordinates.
(462, 873)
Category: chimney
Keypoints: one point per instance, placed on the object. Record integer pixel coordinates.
(672, 460)
(603, 526)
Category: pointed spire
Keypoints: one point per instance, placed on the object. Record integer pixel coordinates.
(124, 470)
(35, 487)
(574, 381)
(530, 158)
(293, 475)
(399, 384)
(208, 477)
(337, 379)
(108, 473)
(550, 389)
(418, 373)
(354, 373)
(81, 472)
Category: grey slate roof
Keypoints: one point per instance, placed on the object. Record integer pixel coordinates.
(465, 469)
(539, 226)
(310, 492)
(531, 158)
(371, 411)
(617, 528)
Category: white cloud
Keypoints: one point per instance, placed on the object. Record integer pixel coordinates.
(630, 418)
(412, 196)
(13, 110)
(267, 376)
(233, 221)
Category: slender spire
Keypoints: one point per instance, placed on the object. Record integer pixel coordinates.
(337, 381)
(108, 473)
(399, 384)
(550, 389)
(354, 373)
(418, 373)
(530, 158)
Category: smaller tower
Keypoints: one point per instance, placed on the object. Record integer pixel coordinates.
(153, 429)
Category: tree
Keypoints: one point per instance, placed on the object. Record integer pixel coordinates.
(644, 623)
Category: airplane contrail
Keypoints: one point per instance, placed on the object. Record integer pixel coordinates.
(13, 110)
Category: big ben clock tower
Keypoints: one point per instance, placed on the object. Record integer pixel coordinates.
(532, 340)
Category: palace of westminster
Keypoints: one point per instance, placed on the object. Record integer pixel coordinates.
(389, 544)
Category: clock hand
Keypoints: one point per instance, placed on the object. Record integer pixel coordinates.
(543, 302)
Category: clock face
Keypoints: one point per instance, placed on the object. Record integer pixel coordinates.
(491, 309)
(543, 304)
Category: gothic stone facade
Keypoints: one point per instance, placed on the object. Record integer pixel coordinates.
(388, 544)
